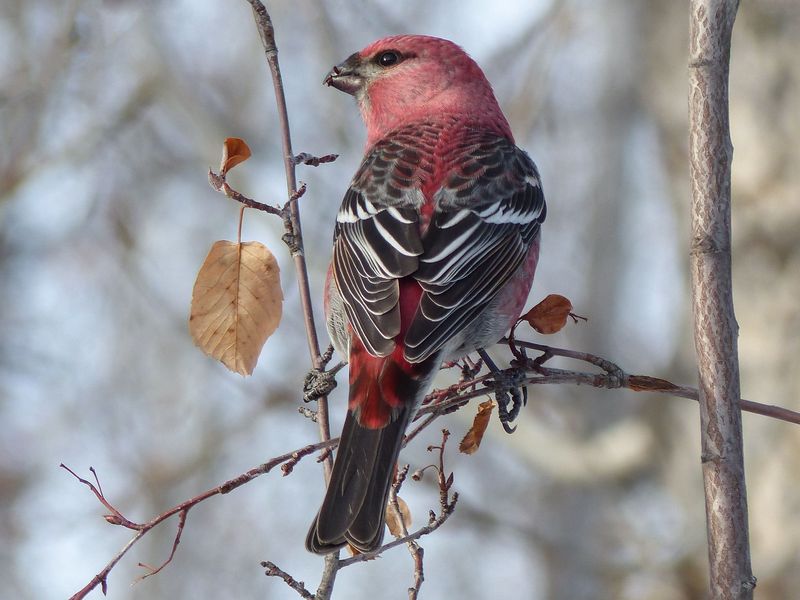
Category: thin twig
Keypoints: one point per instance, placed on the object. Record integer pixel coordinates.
(440, 402)
(638, 383)
(330, 568)
(272, 570)
(267, 34)
(417, 554)
(447, 505)
(177, 540)
(116, 517)
(182, 509)
(415, 550)
(219, 183)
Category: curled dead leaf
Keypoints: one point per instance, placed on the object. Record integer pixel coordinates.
(644, 383)
(550, 315)
(393, 518)
(237, 303)
(234, 151)
(472, 441)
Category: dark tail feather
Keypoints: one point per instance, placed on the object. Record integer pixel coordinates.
(355, 504)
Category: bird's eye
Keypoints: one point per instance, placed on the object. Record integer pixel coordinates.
(388, 58)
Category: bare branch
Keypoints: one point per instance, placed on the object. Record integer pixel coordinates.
(298, 586)
(175, 542)
(417, 554)
(116, 517)
(440, 402)
(101, 578)
(219, 183)
(329, 570)
(715, 327)
(416, 551)
(267, 34)
(182, 509)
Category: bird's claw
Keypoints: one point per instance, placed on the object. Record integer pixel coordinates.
(508, 390)
(318, 383)
(292, 242)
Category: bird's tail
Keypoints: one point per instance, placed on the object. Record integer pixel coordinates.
(385, 393)
(355, 504)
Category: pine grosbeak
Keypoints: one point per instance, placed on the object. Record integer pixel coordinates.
(434, 252)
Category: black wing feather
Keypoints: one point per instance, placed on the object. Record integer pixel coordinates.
(486, 216)
(482, 229)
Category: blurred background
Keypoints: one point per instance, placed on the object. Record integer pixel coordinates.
(110, 114)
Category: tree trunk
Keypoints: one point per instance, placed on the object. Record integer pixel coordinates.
(715, 327)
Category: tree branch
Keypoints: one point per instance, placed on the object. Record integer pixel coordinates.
(267, 34)
(116, 518)
(272, 570)
(438, 403)
(715, 327)
(443, 401)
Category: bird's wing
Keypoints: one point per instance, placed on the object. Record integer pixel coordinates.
(376, 242)
(486, 216)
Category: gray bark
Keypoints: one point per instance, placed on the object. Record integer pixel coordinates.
(715, 327)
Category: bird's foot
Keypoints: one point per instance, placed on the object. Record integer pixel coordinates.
(510, 394)
(319, 382)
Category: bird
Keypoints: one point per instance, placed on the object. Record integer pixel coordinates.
(435, 248)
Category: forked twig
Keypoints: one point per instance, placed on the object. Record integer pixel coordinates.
(182, 509)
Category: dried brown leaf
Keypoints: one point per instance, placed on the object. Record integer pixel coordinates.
(644, 383)
(393, 517)
(234, 151)
(550, 315)
(472, 441)
(237, 303)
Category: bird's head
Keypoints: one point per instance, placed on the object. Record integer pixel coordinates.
(407, 78)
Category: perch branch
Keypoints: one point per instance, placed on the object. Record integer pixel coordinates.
(438, 403)
(267, 34)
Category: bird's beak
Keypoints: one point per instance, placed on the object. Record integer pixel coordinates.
(345, 76)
